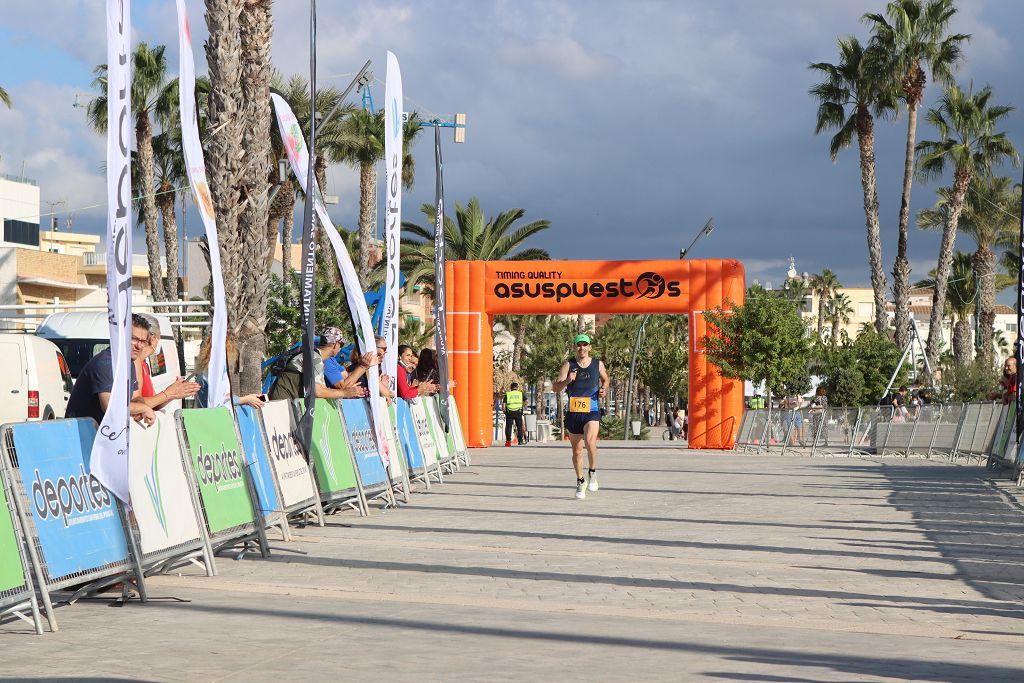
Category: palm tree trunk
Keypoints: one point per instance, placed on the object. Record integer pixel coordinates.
(985, 268)
(517, 346)
(901, 268)
(367, 216)
(866, 145)
(821, 313)
(144, 142)
(256, 31)
(961, 180)
(223, 144)
(170, 223)
(323, 241)
(835, 331)
(287, 238)
(962, 341)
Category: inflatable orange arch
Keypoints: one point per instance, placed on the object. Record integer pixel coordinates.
(478, 290)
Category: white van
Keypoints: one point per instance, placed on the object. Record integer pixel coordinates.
(80, 335)
(34, 379)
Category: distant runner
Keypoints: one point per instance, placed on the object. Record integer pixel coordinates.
(586, 381)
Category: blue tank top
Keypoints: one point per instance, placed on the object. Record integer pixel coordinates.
(587, 383)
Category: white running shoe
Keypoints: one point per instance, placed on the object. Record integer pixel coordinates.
(593, 485)
(581, 490)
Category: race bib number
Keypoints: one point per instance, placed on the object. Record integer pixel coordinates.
(579, 405)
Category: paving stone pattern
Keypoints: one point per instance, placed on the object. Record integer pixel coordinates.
(685, 566)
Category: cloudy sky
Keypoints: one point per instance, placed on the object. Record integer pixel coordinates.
(627, 124)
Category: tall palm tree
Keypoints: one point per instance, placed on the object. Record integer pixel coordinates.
(912, 37)
(470, 237)
(968, 141)
(961, 297)
(169, 174)
(225, 156)
(854, 93)
(839, 309)
(824, 285)
(152, 95)
(361, 144)
(255, 29)
(991, 216)
(5, 98)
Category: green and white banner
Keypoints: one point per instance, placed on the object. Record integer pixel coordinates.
(12, 574)
(331, 457)
(217, 459)
(161, 501)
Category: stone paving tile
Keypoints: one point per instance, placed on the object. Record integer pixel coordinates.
(683, 567)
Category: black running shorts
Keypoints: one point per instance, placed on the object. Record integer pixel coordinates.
(574, 422)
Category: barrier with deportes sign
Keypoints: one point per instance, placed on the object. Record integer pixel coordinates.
(460, 439)
(444, 456)
(372, 475)
(166, 512)
(288, 462)
(431, 462)
(220, 476)
(16, 590)
(75, 523)
(397, 468)
(254, 445)
(333, 462)
(410, 442)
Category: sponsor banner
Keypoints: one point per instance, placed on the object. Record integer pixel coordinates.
(334, 469)
(393, 102)
(195, 166)
(394, 444)
(460, 439)
(12, 572)
(286, 452)
(298, 156)
(161, 502)
(433, 425)
(407, 435)
(440, 307)
(75, 517)
(110, 450)
(422, 427)
(361, 441)
(216, 457)
(255, 450)
(596, 286)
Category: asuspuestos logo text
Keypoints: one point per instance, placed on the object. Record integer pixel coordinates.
(649, 285)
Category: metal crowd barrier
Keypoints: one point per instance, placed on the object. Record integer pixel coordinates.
(961, 430)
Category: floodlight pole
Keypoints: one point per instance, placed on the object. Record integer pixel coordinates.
(284, 169)
(708, 228)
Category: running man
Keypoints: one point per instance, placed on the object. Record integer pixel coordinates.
(587, 381)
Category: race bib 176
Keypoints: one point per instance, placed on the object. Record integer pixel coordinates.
(579, 405)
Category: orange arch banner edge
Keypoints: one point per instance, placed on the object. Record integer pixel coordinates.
(479, 289)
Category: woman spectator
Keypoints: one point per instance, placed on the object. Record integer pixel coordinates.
(382, 349)
(408, 385)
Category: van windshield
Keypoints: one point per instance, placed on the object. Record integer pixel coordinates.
(78, 352)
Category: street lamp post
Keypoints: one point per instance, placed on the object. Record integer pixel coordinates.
(708, 228)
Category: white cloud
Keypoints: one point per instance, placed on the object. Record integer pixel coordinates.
(55, 145)
(564, 56)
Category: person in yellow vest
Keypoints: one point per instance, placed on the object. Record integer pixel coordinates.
(514, 414)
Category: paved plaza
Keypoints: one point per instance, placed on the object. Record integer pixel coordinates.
(685, 566)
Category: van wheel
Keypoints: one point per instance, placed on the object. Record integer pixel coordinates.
(48, 415)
